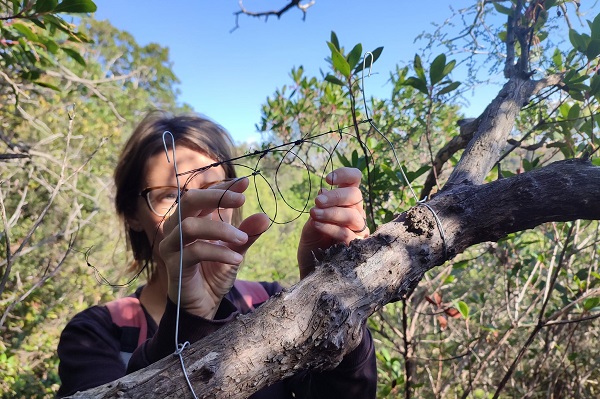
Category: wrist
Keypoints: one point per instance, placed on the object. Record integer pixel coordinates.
(198, 306)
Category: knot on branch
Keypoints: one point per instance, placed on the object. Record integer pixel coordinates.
(332, 329)
(417, 223)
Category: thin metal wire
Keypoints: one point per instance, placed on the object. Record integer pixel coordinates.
(287, 149)
(178, 347)
(368, 118)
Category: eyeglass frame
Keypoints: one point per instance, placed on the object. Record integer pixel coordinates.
(144, 193)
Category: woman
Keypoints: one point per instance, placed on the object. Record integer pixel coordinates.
(103, 343)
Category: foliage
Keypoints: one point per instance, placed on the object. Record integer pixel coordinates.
(526, 304)
(64, 119)
(35, 36)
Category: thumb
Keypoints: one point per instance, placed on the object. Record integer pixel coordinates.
(254, 226)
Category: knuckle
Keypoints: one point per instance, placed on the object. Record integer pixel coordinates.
(355, 192)
(188, 226)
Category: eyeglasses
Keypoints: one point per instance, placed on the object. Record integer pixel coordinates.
(161, 199)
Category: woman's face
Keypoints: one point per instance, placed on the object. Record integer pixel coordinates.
(159, 173)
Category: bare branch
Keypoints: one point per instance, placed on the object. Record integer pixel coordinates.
(467, 128)
(8, 265)
(497, 121)
(266, 14)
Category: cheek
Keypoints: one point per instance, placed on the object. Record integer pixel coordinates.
(153, 227)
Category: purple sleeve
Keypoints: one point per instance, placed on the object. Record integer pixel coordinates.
(354, 377)
(89, 352)
(191, 328)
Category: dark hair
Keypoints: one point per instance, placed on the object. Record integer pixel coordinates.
(192, 131)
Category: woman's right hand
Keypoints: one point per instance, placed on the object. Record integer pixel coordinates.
(212, 248)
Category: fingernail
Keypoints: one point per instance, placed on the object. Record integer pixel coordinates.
(318, 213)
(241, 237)
(317, 225)
(322, 199)
(331, 177)
(237, 258)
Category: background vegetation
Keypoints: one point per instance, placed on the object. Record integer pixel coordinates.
(515, 318)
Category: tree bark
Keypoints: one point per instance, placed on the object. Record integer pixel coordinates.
(316, 322)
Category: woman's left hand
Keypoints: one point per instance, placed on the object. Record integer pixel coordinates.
(338, 216)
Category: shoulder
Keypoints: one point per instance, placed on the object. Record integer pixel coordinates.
(96, 315)
(89, 351)
(94, 324)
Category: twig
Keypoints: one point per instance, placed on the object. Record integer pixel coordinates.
(278, 13)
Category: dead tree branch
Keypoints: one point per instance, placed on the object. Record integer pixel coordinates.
(306, 329)
(266, 14)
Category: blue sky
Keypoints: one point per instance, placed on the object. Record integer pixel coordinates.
(227, 76)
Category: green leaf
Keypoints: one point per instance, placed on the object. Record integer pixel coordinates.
(449, 67)
(51, 46)
(576, 95)
(354, 55)
(16, 6)
(502, 10)
(332, 79)
(417, 84)
(418, 65)
(596, 162)
(594, 85)
(574, 112)
(340, 64)
(74, 54)
(48, 85)
(412, 175)
(595, 28)
(591, 303)
(593, 49)
(451, 87)
(42, 6)
(578, 41)
(335, 41)
(557, 59)
(463, 308)
(25, 31)
(436, 71)
(80, 37)
(367, 61)
(76, 6)
(343, 160)
(332, 47)
(376, 53)
(57, 22)
(38, 23)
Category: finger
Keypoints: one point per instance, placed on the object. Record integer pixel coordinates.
(346, 196)
(203, 202)
(205, 251)
(238, 185)
(350, 218)
(344, 177)
(254, 226)
(226, 192)
(193, 229)
(339, 233)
